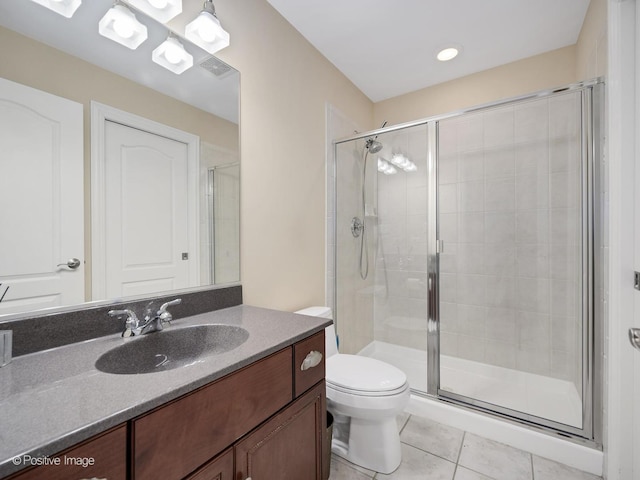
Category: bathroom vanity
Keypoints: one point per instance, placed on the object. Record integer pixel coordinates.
(251, 412)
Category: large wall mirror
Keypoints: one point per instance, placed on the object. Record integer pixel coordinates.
(118, 177)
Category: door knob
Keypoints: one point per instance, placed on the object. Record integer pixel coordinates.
(634, 337)
(72, 263)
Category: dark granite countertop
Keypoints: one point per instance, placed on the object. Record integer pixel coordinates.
(53, 399)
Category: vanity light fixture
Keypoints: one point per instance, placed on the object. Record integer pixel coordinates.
(66, 8)
(121, 25)
(160, 10)
(205, 30)
(172, 55)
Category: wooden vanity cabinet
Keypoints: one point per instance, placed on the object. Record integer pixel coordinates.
(270, 415)
(177, 438)
(265, 421)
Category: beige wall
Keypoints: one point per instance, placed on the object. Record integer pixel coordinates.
(286, 84)
(591, 48)
(543, 71)
(32, 63)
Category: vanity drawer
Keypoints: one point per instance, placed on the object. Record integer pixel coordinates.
(176, 439)
(305, 370)
(107, 454)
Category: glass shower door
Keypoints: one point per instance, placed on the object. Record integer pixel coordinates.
(512, 209)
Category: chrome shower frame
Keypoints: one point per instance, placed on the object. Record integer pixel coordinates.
(592, 267)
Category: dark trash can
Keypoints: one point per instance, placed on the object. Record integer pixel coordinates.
(328, 437)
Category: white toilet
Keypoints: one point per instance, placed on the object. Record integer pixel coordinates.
(364, 395)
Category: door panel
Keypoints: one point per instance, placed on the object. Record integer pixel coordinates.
(42, 212)
(296, 434)
(147, 231)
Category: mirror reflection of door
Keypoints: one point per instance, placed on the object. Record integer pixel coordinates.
(223, 193)
(145, 224)
(41, 200)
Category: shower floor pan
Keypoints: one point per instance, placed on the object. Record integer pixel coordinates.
(538, 395)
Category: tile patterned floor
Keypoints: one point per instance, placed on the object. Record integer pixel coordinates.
(438, 452)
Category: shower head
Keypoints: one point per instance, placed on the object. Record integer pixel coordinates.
(373, 146)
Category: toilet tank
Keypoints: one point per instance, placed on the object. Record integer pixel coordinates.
(330, 341)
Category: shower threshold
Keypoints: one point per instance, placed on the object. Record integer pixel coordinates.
(545, 397)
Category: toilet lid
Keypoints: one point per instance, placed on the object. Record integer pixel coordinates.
(358, 373)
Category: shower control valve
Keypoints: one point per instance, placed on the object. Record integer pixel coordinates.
(357, 226)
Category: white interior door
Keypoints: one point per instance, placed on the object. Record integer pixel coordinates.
(147, 234)
(41, 199)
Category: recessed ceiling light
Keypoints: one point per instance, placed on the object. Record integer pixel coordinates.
(448, 53)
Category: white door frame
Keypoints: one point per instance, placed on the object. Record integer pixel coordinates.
(100, 114)
(622, 159)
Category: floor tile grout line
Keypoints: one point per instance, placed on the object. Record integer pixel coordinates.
(428, 452)
(455, 469)
(404, 425)
(464, 434)
(533, 475)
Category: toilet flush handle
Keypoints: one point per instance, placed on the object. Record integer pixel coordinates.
(312, 359)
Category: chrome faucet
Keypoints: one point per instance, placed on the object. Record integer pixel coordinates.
(151, 323)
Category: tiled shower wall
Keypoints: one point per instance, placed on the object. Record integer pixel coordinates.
(510, 219)
(400, 308)
(353, 301)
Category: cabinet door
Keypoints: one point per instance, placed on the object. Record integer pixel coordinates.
(103, 456)
(220, 468)
(288, 446)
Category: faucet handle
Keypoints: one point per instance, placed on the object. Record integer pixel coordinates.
(131, 322)
(165, 315)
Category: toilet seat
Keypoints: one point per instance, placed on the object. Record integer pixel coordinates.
(358, 375)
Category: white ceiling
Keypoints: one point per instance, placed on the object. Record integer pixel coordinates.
(388, 47)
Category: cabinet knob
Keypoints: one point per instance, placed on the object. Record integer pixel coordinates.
(312, 359)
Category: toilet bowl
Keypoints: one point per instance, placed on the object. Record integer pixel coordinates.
(364, 395)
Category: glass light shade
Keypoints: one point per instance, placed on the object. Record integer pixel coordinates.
(206, 32)
(171, 55)
(121, 25)
(160, 10)
(66, 8)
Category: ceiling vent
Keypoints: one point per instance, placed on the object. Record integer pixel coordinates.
(217, 67)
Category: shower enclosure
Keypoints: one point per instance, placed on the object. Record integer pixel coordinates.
(479, 234)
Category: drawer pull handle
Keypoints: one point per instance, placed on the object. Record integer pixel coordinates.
(312, 359)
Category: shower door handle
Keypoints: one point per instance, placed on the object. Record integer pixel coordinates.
(634, 337)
